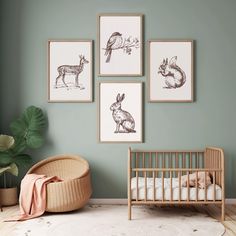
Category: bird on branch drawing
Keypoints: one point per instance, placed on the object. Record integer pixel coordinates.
(116, 42)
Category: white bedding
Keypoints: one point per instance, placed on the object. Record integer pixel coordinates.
(175, 190)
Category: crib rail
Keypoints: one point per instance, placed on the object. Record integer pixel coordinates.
(163, 165)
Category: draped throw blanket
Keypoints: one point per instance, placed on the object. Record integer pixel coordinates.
(33, 196)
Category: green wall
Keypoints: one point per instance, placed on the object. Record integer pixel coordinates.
(26, 26)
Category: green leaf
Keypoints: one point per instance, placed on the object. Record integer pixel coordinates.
(19, 147)
(3, 169)
(34, 117)
(34, 140)
(19, 127)
(13, 169)
(5, 159)
(22, 160)
(6, 142)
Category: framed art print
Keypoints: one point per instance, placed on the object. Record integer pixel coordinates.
(120, 39)
(170, 70)
(120, 112)
(70, 70)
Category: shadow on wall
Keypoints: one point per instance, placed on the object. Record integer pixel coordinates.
(103, 183)
(10, 62)
(230, 183)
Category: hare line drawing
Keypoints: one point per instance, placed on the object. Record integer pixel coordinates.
(121, 117)
(174, 76)
(76, 70)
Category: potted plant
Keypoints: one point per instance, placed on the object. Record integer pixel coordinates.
(26, 132)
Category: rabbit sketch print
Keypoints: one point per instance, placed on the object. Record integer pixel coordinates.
(116, 42)
(120, 112)
(124, 121)
(173, 75)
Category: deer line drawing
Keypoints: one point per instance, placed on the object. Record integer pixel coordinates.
(64, 70)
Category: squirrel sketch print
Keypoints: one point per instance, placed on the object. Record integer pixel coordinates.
(174, 76)
(122, 118)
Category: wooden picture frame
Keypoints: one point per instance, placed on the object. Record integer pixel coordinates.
(170, 70)
(70, 70)
(120, 112)
(120, 44)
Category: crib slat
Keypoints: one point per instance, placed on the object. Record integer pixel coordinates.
(219, 166)
(143, 166)
(154, 185)
(183, 161)
(190, 161)
(205, 198)
(162, 181)
(136, 160)
(188, 186)
(214, 186)
(136, 185)
(176, 160)
(163, 160)
(179, 178)
(145, 185)
(150, 162)
(156, 160)
(171, 193)
(197, 156)
(196, 186)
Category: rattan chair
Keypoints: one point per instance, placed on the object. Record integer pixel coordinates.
(75, 189)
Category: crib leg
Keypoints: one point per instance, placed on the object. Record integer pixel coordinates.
(223, 212)
(129, 210)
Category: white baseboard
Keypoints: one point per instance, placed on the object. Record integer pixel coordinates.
(124, 201)
(230, 201)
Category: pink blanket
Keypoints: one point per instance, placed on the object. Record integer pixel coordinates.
(32, 198)
(199, 181)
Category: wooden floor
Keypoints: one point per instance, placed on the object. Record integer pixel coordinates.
(213, 211)
(230, 216)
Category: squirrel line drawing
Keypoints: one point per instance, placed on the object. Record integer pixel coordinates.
(174, 76)
(121, 117)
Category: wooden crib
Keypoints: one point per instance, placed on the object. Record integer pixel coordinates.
(147, 169)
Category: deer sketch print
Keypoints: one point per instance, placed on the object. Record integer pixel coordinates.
(121, 117)
(116, 42)
(76, 70)
(174, 76)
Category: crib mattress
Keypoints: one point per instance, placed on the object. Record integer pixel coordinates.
(175, 190)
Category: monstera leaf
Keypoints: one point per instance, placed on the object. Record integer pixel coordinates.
(5, 159)
(6, 142)
(13, 169)
(26, 133)
(22, 160)
(28, 126)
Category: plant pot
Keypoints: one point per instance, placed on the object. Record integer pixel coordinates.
(8, 196)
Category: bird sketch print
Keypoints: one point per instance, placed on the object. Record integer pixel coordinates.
(116, 42)
(124, 121)
(76, 70)
(174, 76)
